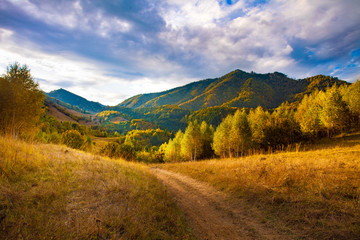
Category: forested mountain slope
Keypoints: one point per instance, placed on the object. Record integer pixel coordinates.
(236, 89)
(75, 100)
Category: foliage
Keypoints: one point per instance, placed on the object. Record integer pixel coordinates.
(172, 149)
(116, 150)
(259, 119)
(351, 96)
(145, 139)
(211, 115)
(192, 145)
(233, 136)
(73, 139)
(21, 101)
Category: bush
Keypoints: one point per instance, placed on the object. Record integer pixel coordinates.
(73, 139)
(115, 150)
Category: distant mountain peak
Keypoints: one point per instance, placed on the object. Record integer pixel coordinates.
(75, 100)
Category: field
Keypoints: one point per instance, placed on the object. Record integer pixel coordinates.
(53, 192)
(313, 194)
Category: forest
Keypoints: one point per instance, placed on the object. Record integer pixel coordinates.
(170, 133)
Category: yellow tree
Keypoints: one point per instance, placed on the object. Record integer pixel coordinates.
(173, 148)
(21, 101)
(334, 114)
(258, 120)
(240, 133)
(191, 144)
(308, 114)
(352, 99)
(221, 143)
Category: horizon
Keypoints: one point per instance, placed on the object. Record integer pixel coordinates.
(109, 51)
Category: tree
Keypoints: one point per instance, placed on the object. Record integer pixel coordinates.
(308, 114)
(191, 144)
(21, 101)
(221, 144)
(172, 152)
(207, 136)
(240, 133)
(258, 120)
(334, 114)
(351, 95)
(282, 129)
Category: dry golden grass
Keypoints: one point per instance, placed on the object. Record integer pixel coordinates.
(315, 193)
(53, 192)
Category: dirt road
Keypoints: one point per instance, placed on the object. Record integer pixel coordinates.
(211, 214)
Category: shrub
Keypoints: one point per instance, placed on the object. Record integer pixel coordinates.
(73, 139)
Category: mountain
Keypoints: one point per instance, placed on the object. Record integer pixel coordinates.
(75, 100)
(65, 112)
(235, 89)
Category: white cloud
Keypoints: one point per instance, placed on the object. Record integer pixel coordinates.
(71, 15)
(260, 39)
(84, 77)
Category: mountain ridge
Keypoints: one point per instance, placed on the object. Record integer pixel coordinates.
(235, 89)
(76, 100)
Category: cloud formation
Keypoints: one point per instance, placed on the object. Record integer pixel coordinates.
(110, 50)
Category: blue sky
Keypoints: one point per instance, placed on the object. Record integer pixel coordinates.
(110, 50)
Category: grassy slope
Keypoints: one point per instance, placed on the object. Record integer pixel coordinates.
(52, 192)
(315, 193)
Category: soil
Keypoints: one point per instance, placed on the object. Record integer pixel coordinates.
(212, 214)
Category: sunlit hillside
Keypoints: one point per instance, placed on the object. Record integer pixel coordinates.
(53, 192)
(315, 193)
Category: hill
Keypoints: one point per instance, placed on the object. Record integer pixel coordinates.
(235, 89)
(52, 192)
(69, 113)
(75, 100)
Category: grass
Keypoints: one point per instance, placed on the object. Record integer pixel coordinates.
(314, 193)
(53, 192)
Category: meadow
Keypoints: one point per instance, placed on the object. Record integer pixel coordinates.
(313, 193)
(54, 192)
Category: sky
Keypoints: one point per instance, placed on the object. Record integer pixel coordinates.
(108, 51)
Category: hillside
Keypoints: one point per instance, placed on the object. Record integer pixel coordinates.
(53, 192)
(69, 113)
(75, 100)
(236, 89)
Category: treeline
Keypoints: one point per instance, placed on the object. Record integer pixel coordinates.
(319, 114)
(139, 145)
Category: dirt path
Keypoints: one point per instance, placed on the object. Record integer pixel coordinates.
(210, 213)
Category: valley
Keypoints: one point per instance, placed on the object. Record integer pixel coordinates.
(284, 167)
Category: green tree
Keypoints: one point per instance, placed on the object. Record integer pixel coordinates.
(207, 136)
(282, 129)
(21, 101)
